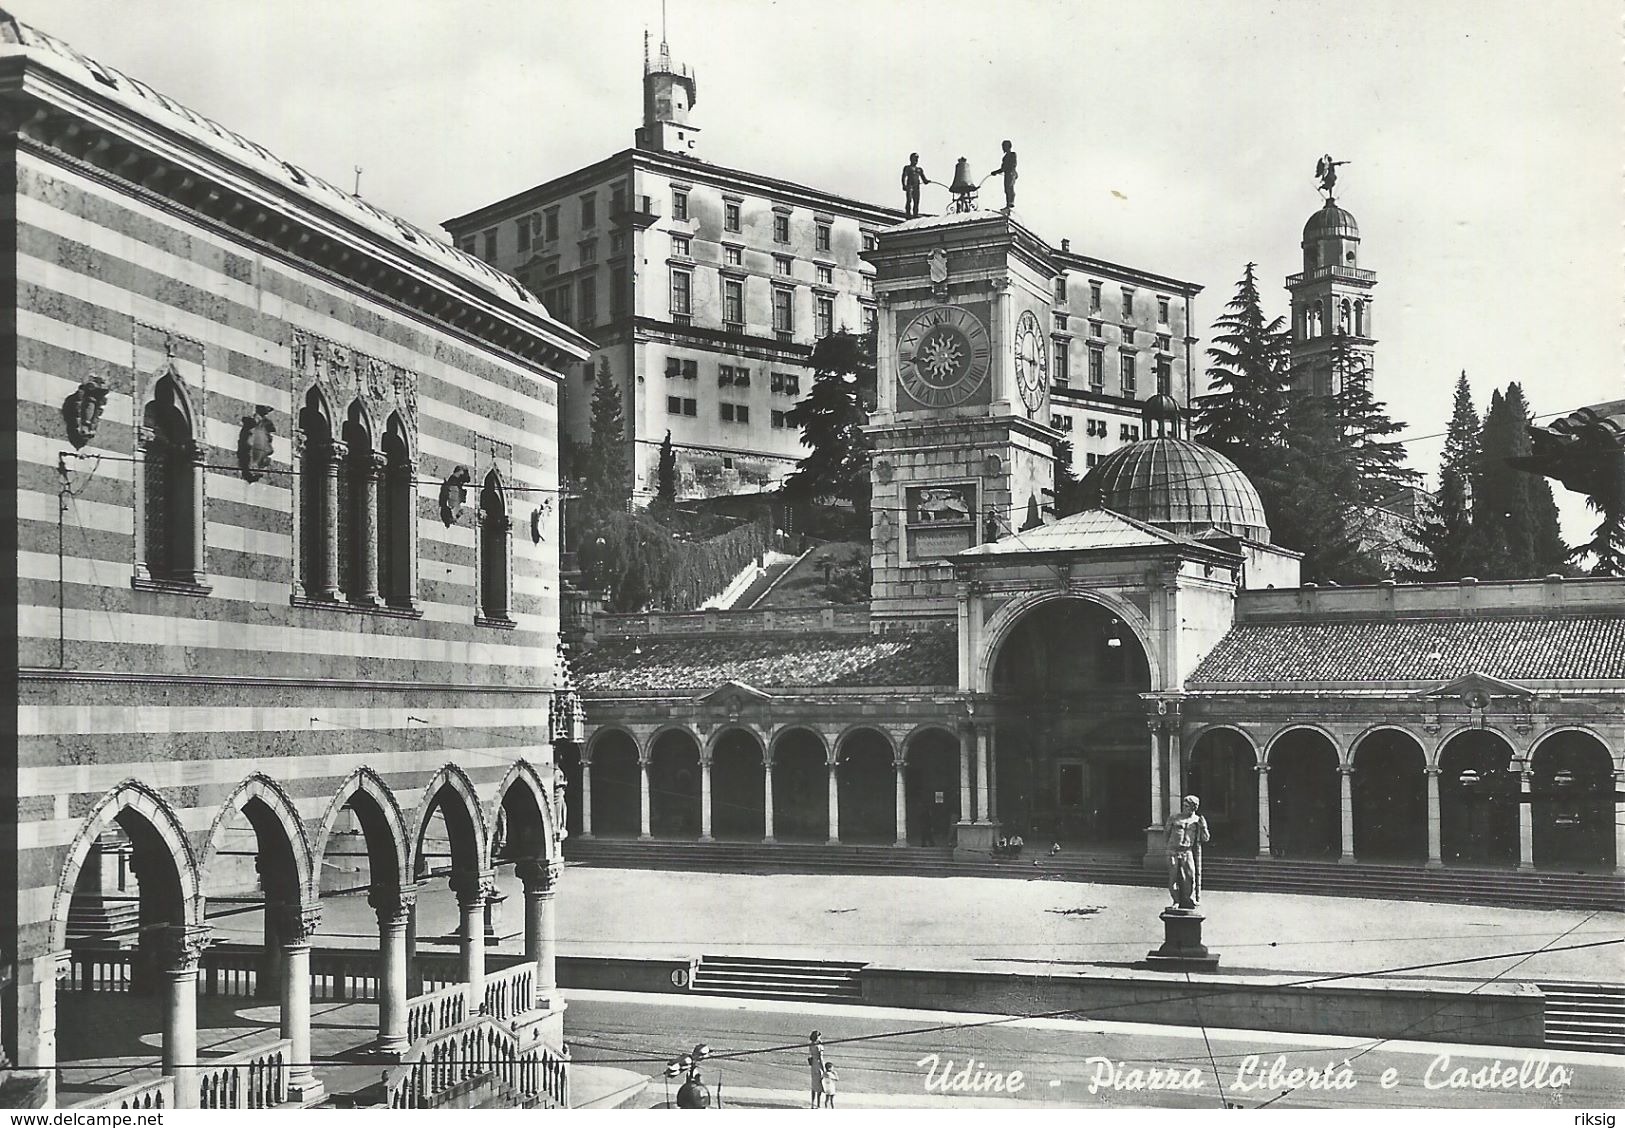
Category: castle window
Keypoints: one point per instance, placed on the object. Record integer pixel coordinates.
(680, 246)
(522, 229)
(733, 302)
(588, 293)
(778, 420)
(1128, 302)
(784, 316)
(1097, 370)
(1162, 310)
(821, 238)
(682, 283)
(781, 228)
(826, 275)
(870, 241)
(1128, 373)
(1094, 297)
(490, 245)
(494, 562)
(1061, 374)
(172, 481)
(730, 216)
(550, 223)
(1060, 287)
(679, 203)
(589, 211)
(824, 316)
(1165, 376)
(733, 256)
(782, 265)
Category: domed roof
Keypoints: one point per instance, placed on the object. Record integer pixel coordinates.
(1331, 222)
(1160, 406)
(1178, 485)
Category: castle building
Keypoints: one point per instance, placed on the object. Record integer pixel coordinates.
(283, 483)
(1069, 680)
(705, 288)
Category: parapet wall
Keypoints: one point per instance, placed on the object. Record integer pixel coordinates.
(1550, 596)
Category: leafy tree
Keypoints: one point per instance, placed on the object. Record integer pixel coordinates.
(1245, 410)
(606, 472)
(1447, 530)
(666, 476)
(1515, 530)
(831, 418)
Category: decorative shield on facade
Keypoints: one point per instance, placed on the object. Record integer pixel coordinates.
(82, 411)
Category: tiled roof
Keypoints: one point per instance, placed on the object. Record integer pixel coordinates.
(802, 661)
(1091, 529)
(1417, 650)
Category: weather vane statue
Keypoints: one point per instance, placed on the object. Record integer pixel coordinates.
(1326, 171)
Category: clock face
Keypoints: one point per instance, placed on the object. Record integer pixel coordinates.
(943, 357)
(1032, 361)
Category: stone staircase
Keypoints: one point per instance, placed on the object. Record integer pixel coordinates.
(758, 978)
(1509, 888)
(1585, 1016)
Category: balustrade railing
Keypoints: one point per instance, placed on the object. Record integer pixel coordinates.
(257, 1078)
(510, 992)
(96, 969)
(159, 1093)
(481, 1046)
(441, 1010)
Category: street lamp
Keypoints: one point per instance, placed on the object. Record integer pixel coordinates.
(692, 1093)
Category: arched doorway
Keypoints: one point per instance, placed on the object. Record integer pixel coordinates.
(800, 787)
(931, 787)
(737, 794)
(866, 787)
(1305, 796)
(1222, 775)
(617, 789)
(674, 786)
(1573, 804)
(567, 755)
(1073, 757)
(1478, 801)
(130, 878)
(522, 829)
(1389, 790)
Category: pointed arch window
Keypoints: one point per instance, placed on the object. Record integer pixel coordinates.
(397, 519)
(170, 548)
(318, 500)
(494, 558)
(358, 514)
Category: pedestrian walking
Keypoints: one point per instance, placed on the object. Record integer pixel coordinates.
(815, 1064)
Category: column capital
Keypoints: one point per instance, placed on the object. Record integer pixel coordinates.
(296, 922)
(1345, 769)
(182, 947)
(337, 449)
(392, 903)
(539, 875)
(1432, 770)
(473, 887)
(1261, 768)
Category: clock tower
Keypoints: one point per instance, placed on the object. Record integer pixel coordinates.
(963, 448)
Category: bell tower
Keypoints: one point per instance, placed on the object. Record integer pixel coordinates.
(1331, 297)
(669, 93)
(963, 450)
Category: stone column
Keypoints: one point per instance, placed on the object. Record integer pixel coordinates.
(472, 888)
(1435, 847)
(297, 926)
(900, 766)
(541, 878)
(705, 799)
(1178, 785)
(183, 949)
(586, 799)
(967, 750)
(394, 910)
(197, 455)
(1263, 771)
(366, 535)
(767, 798)
(1526, 820)
(334, 455)
(1158, 813)
(981, 774)
(1345, 775)
(992, 774)
(1619, 823)
(411, 584)
(643, 797)
(35, 1016)
(834, 804)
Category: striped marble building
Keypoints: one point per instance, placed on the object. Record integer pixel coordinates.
(284, 490)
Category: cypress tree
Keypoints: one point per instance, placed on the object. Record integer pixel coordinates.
(1364, 428)
(606, 475)
(666, 478)
(1447, 532)
(1243, 414)
(1515, 531)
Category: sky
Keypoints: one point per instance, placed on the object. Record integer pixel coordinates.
(1484, 136)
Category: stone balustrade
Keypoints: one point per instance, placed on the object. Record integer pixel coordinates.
(158, 1093)
(482, 1045)
(256, 1078)
(440, 1010)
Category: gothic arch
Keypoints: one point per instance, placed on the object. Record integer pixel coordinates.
(269, 793)
(998, 628)
(523, 774)
(396, 425)
(368, 783)
(358, 416)
(453, 779)
(136, 797)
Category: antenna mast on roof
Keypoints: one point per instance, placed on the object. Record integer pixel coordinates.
(665, 51)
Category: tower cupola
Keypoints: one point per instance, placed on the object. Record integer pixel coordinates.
(669, 93)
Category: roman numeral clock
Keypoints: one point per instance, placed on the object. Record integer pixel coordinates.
(944, 357)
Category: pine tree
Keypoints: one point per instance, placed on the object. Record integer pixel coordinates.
(1606, 548)
(1515, 531)
(832, 418)
(1243, 414)
(666, 476)
(1447, 531)
(1311, 495)
(606, 475)
(1364, 427)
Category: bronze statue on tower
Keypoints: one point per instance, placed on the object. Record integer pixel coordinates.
(1326, 173)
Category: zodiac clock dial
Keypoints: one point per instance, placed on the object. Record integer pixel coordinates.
(943, 356)
(1032, 361)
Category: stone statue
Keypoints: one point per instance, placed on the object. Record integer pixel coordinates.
(561, 810)
(1185, 837)
(1326, 170)
(1007, 169)
(913, 177)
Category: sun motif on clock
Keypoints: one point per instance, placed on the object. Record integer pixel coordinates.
(943, 356)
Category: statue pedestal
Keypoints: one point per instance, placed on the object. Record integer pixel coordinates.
(1182, 948)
